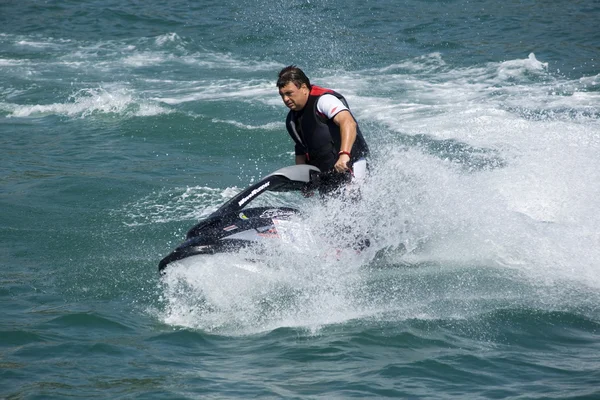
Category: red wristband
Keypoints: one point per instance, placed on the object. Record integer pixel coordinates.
(344, 152)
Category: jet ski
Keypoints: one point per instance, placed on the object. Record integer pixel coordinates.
(234, 226)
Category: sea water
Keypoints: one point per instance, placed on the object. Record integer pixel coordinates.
(124, 123)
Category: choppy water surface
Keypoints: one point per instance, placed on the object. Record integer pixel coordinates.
(124, 124)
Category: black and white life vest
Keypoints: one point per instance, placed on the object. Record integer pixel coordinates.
(318, 137)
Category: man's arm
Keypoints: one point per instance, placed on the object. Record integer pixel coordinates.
(347, 124)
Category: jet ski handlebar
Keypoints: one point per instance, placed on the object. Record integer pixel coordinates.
(301, 177)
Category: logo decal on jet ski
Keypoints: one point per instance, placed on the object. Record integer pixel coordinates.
(267, 232)
(276, 212)
(242, 216)
(254, 193)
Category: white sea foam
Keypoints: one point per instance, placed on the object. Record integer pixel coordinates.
(425, 63)
(7, 62)
(87, 102)
(516, 68)
(535, 210)
(39, 45)
(218, 90)
(271, 126)
(144, 59)
(184, 204)
(167, 38)
(281, 288)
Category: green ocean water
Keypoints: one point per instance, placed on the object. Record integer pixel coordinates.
(124, 123)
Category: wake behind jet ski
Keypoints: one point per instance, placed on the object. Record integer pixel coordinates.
(233, 226)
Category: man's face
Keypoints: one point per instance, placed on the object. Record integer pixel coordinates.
(294, 97)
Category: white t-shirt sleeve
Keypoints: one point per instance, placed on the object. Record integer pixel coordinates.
(330, 106)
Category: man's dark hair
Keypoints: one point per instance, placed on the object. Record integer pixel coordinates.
(291, 73)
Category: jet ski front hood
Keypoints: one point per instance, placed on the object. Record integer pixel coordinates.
(234, 226)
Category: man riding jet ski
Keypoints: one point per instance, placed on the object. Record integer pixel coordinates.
(233, 226)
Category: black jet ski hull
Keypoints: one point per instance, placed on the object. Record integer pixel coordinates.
(252, 227)
(233, 226)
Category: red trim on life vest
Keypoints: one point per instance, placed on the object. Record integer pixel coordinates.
(319, 91)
